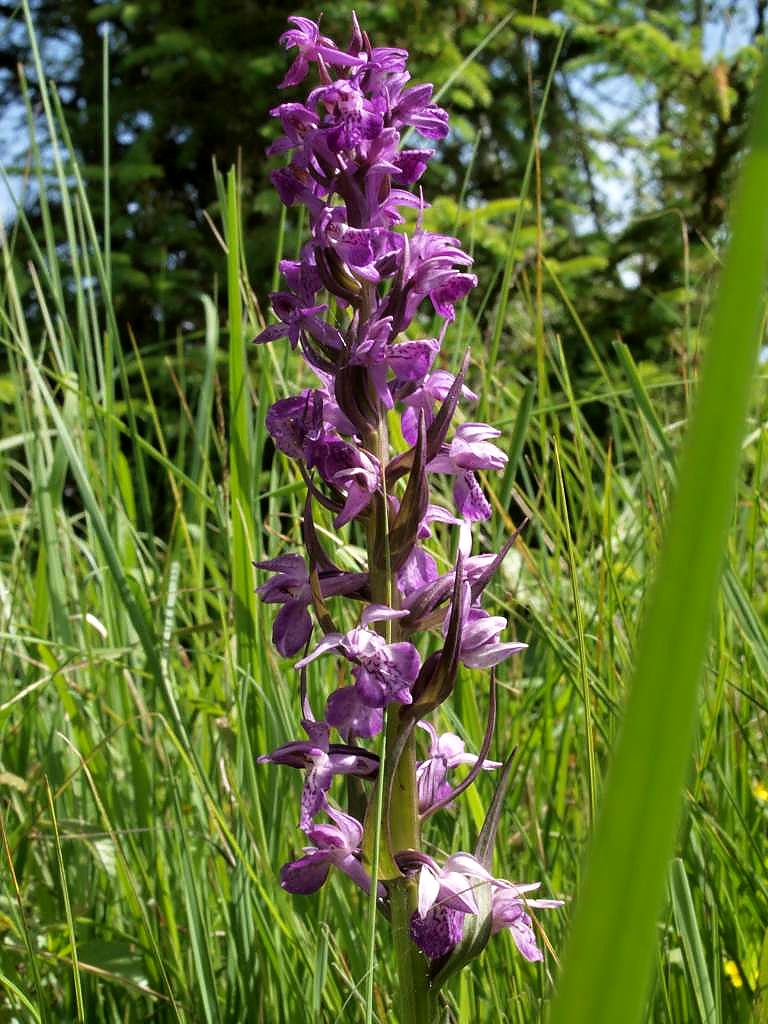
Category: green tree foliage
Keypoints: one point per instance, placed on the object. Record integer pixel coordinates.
(640, 135)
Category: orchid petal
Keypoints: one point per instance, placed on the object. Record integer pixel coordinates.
(429, 889)
(329, 642)
(380, 613)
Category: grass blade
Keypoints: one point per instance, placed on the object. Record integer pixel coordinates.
(24, 928)
(611, 948)
(695, 957)
(240, 456)
(67, 908)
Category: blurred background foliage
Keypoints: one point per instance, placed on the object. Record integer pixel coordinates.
(640, 138)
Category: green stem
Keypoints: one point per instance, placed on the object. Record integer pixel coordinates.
(414, 997)
(401, 827)
(415, 1003)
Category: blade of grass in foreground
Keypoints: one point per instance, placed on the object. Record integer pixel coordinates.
(693, 947)
(609, 956)
(240, 462)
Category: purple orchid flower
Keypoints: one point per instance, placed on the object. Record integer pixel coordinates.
(438, 930)
(446, 751)
(414, 109)
(297, 121)
(295, 318)
(302, 276)
(508, 911)
(453, 884)
(417, 572)
(469, 450)
(451, 888)
(351, 118)
(312, 47)
(336, 845)
(355, 247)
(423, 399)
(480, 646)
(352, 470)
(408, 360)
(322, 761)
(445, 897)
(409, 165)
(347, 712)
(383, 673)
(424, 601)
(431, 272)
(360, 481)
(291, 587)
(296, 423)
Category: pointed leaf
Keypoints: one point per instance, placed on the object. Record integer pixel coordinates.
(413, 508)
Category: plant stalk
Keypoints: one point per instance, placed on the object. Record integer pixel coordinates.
(402, 827)
(400, 824)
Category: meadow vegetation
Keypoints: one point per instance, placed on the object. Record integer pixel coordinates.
(138, 684)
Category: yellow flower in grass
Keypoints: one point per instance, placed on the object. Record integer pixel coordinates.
(760, 791)
(732, 973)
(744, 972)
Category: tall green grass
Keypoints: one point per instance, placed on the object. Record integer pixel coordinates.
(641, 811)
(138, 683)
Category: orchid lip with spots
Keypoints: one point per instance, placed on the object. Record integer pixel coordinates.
(355, 306)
